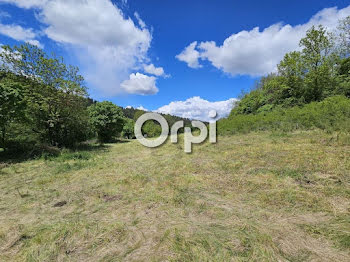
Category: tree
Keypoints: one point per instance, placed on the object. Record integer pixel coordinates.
(55, 94)
(107, 120)
(343, 78)
(138, 113)
(316, 47)
(128, 129)
(11, 107)
(151, 128)
(292, 70)
(32, 62)
(319, 63)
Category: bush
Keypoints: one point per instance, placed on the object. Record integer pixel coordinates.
(331, 114)
(107, 120)
(151, 129)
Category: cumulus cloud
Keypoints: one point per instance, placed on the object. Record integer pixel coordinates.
(140, 84)
(198, 108)
(151, 69)
(257, 52)
(109, 45)
(190, 55)
(19, 33)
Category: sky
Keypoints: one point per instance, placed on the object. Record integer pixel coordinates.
(180, 57)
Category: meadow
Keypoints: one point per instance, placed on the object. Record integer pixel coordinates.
(263, 196)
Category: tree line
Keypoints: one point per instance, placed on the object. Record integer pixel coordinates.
(44, 102)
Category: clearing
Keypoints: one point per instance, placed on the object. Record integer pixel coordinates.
(255, 197)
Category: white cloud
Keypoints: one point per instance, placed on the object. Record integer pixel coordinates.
(25, 3)
(190, 55)
(140, 84)
(257, 52)
(108, 44)
(141, 108)
(198, 108)
(19, 33)
(138, 107)
(151, 69)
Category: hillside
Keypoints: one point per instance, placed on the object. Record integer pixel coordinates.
(133, 113)
(260, 197)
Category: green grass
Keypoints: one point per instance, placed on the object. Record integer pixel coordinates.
(255, 197)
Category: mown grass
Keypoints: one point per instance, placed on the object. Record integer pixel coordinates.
(255, 197)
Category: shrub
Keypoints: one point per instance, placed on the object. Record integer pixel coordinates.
(107, 120)
(331, 114)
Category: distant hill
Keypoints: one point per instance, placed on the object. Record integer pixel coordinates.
(134, 114)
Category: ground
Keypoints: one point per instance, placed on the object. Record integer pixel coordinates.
(252, 197)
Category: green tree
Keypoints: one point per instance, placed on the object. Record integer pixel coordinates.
(12, 106)
(128, 129)
(137, 114)
(343, 78)
(292, 70)
(107, 120)
(151, 129)
(32, 62)
(319, 62)
(55, 94)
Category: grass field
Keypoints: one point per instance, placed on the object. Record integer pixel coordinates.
(254, 197)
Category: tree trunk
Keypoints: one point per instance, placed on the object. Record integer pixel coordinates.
(3, 138)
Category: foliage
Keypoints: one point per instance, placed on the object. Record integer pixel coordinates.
(107, 120)
(316, 72)
(128, 129)
(32, 62)
(137, 114)
(134, 114)
(11, 107)
(331, 114)
(151, 129)
(55, 98)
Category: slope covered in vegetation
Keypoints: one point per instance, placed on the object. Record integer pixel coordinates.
(311, 88)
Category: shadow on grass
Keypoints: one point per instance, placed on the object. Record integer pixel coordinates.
(118, 141)
(10, 157)
(91, 147)
(122, 141)
(48, 152)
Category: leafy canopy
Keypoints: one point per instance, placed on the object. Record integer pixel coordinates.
(107, 120)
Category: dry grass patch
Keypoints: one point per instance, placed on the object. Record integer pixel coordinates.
(254, 197)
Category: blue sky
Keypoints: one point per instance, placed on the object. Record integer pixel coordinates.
(157, 52)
